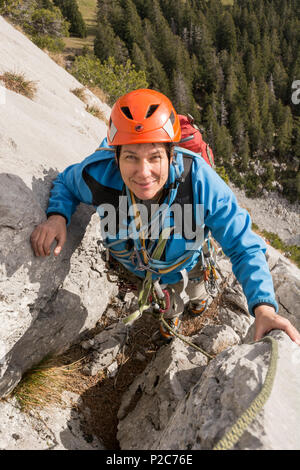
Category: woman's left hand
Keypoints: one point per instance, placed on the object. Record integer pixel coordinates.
(266, 319)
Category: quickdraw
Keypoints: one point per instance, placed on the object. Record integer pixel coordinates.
(209, 274)
(159, 305)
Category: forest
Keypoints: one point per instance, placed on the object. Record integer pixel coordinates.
(233, 65)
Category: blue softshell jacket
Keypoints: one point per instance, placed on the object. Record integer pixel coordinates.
(228, 223)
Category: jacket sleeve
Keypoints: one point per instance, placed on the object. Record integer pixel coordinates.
(230, 225)
(68, 190)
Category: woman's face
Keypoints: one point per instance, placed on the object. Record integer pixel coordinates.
(144, 168)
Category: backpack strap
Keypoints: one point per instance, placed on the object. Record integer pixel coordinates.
(101, 194)
(185, 189)
(209, 156)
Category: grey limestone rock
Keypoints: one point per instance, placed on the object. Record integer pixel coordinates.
(53, 428)
(216, 338)
(105, 346)
(238, 321)
(156, 393)
(225, 390)
(286, 280)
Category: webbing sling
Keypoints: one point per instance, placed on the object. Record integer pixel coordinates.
(147, 284)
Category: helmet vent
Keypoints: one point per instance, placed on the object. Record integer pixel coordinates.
(152, 108)
(172, 118)
(127, 112)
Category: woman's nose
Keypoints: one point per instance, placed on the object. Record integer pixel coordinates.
(144, 168)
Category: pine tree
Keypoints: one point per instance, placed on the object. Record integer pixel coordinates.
(132, 25)
(251, 64)
(70, 11)
(253, 30)
(269, 133)
(231, 89)
(237, 128)
(284, 135)
(156, 74)
(244, 153)
(181, 95)
(268, 175)
(226, 34)
(107, 44)
(281, 81)
(254, 128)
(138, 57)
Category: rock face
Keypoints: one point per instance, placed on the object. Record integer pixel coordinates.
(287, 286)
(224, 392)
(46, 304)
(202, 413)
(157, 392)
(274, 214)
(198, 419)
(55, 428)
(105, 347)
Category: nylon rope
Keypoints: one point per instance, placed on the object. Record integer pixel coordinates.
(236, 431)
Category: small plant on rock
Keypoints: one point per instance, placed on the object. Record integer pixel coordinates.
(43, 385)
(19, 84)
(95, 111)
(80, 93)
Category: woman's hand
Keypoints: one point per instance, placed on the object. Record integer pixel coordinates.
(55, 228)
(266, 319)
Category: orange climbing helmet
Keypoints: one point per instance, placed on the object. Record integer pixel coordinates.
(143, 116)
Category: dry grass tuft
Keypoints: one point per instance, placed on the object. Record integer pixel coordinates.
(99, 93)
(80, 93)
(18, 83)
(43, 384)
(95, 111)
(57, 57)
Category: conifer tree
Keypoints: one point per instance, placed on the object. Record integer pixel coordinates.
(269, 132)
(138, 57)
(132, 25)
(156, 74)
(226, 34)
(70, 11)
(244, 153)
(237, 128)
(254, 128)
(284, 135)
(108, 44)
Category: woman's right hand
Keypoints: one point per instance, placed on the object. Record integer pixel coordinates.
(55, 228)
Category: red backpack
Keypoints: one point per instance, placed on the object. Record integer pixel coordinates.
(191, 139)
